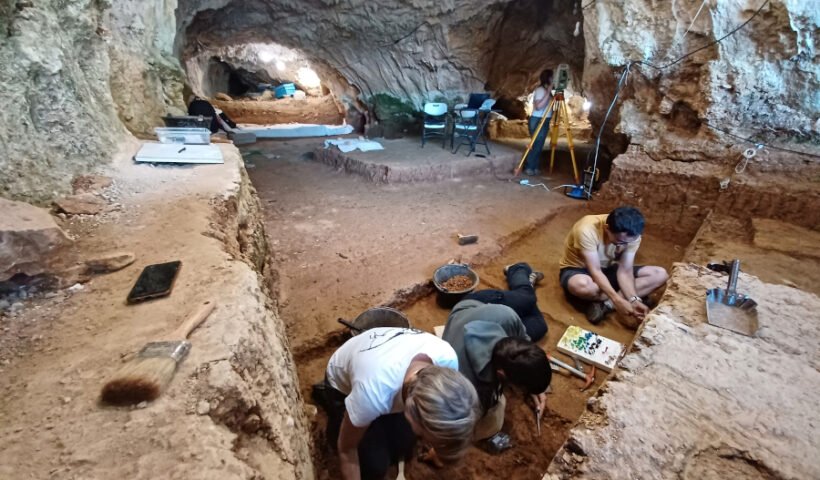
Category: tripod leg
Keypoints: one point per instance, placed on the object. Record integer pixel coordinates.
(532, 140)
(556, 121)
(569, 142)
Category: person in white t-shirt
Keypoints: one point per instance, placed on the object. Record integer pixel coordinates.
(386, 386)
(540, 101)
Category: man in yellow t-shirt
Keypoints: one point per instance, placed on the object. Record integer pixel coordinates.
(598, 265)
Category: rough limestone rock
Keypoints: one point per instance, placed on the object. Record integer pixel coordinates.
(29, 239)
(410, 51)
(696, 402)
(254, 63)
(146, 78)
(71, 70)
(110, 262)
(58, 116)
(759, 82)
(90, 183)
(81, 204)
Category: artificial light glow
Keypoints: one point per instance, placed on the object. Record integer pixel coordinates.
(587, 105)
(308, 77)
(280, 65)
(265, 56)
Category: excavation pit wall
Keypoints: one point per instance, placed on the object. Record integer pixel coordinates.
(233, 408)
(681, 194)
(531, 458)
(405, 161)
(694, 401)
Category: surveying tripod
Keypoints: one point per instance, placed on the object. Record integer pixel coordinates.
(560, 115)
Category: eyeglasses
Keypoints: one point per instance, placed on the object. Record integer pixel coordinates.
(627, 242)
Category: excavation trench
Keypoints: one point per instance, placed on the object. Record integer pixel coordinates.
(531, 454)
(338, 249)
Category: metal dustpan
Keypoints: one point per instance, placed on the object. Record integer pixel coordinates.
(729, 309)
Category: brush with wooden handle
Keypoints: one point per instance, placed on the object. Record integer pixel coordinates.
(146, 375)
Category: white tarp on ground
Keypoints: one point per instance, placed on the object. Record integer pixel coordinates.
(350, 144)
(295, 130)
(178, 153)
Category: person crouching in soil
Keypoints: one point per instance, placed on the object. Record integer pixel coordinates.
(521, 280)
(387, 386)
(598, 267)
(493, 348)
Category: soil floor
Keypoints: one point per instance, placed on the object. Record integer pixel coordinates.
(722, 238)
(342, 244)
(60, 347)
(319, 110)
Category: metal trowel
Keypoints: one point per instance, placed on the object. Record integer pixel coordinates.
(729, 309)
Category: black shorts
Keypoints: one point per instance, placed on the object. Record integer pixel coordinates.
(611, 273)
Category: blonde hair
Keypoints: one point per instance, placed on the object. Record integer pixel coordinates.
(445, 404)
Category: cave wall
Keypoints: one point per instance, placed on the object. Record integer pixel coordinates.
(146, 78)
(384, 52)
(81, 74)
(76, 76)
(58, 116)
(761, 81)
(207, 75)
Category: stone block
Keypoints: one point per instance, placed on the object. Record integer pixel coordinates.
(82, 204)
(90, 183)
(110, 262)
(29, 239)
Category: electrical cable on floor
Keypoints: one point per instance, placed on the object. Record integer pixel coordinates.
(526, 183)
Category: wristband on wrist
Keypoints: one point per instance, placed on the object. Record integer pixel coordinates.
(634, 298)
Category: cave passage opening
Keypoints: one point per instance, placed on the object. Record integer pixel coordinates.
(264, 84)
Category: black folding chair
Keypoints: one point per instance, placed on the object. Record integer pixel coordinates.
(470, 125)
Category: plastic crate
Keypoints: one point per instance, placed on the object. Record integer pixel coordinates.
(188, 121)
(285, 89)
(188, 136)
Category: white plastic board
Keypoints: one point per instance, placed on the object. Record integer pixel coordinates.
(591, 348)
(178, 153)
(296, 130)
